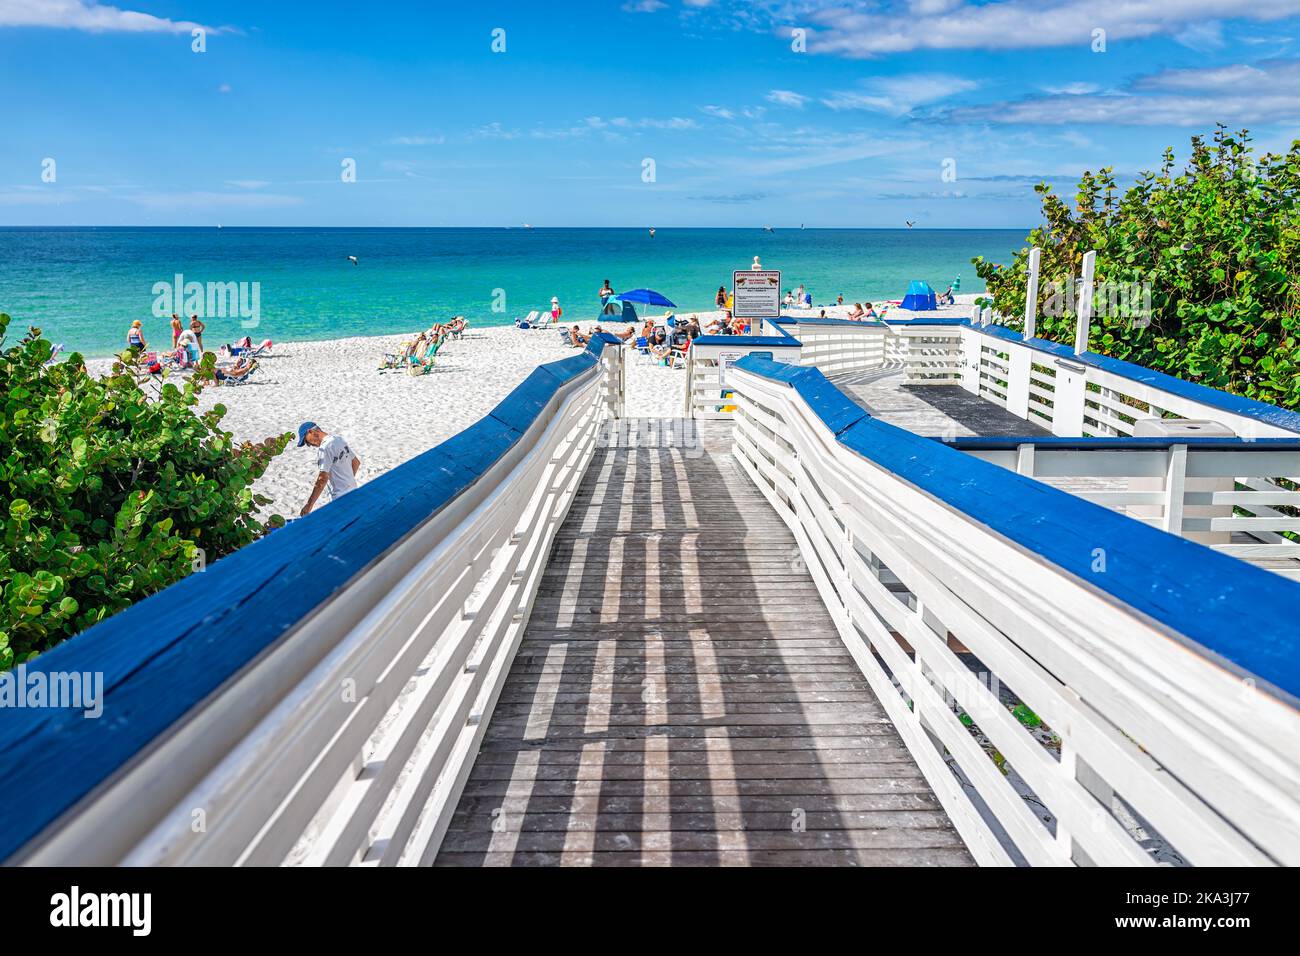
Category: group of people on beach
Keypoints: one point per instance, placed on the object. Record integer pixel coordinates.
(418, 353)
(187, 352)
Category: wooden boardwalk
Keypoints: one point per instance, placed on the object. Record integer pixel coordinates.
(681, 696)
(935, 411)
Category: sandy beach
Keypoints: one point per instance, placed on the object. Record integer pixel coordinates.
(390, 417)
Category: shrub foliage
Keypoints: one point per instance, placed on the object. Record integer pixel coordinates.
(108, 494)
(1217, 245)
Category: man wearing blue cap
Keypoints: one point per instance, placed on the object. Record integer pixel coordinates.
(336, 461)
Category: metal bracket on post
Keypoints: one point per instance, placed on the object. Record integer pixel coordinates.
(1084, 323)
(1031, 294)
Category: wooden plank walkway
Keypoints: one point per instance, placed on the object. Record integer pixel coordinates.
(931, 410)
(681, 696)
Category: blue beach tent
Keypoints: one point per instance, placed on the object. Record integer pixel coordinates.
(919, 298)
(615, 309)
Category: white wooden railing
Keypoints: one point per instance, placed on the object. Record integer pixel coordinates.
(708, 360)
(1129, 737)
(351, 744)
(839, 345)
(1221, 494)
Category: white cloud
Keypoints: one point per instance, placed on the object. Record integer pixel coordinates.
(899, 95)
(719, 111)
(787, 98)
(211, 200)
(1072, 89)
(1202, 37)
(1265, 92)
(416, 141)
(644, 6)
(1019, 24)
(224, 88)
(89, 16)
(248, 183)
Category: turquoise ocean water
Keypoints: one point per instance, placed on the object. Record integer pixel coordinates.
(83, 286)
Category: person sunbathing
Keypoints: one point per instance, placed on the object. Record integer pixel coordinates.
(239, 370)
(627, 334)
(870, 313)
(577, 339)
(856, 313)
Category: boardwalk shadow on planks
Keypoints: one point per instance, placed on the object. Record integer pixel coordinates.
(681, 696)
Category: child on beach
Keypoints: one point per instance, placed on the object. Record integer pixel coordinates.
(556, 311)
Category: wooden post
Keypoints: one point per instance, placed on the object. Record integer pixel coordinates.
(1031, 294)
(1085, 303)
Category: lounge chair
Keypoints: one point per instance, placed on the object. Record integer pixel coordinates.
(422, 364)
(243, 377)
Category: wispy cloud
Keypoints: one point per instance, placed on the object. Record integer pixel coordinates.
(899, 95)
(844, 29)
(644, 6)
(416, 141)
(1268, 91)
(91, 17)
(787, 98)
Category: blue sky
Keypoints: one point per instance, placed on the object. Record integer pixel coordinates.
(857, 129)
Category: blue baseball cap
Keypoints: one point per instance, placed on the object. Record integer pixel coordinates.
(303, 429)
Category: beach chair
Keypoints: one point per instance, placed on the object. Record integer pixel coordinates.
(460, 328)
(528, 321)
(423, 364)
(242, 378)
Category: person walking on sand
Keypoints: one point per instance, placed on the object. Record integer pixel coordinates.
(197, 327)
(337, 465)
(177, 328)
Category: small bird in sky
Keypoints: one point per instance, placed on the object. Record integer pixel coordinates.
(352, 259)
(910, 223)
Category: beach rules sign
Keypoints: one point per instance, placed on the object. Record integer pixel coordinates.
(756, 294)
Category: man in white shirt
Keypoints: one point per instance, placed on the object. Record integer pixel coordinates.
(335, 460)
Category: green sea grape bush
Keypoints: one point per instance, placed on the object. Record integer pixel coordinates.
(1217, 247)
(107, 494)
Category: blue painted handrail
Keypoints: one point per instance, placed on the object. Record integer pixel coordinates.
(1236, 613)
(169, 652)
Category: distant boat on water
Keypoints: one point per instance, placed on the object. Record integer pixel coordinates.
(768, 229)
(528, 225)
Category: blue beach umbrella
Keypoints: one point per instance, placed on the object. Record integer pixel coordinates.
(647, 297)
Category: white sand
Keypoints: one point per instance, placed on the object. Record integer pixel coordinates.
(390, 417)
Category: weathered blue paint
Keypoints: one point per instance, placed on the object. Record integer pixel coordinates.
(168, 653)
(1231, 611)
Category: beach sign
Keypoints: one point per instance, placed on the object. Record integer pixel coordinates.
(756, 294)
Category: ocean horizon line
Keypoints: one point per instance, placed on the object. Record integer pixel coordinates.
(529, 228)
